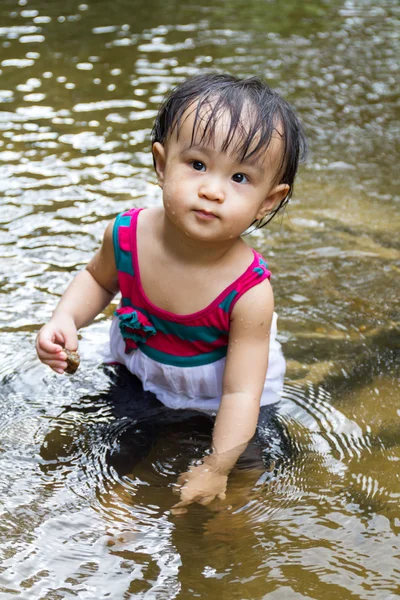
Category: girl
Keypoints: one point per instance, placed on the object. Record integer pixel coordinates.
(196, 321)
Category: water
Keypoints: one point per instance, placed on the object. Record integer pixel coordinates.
(79, 87)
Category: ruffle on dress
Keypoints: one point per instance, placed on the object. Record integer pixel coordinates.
(134, 327)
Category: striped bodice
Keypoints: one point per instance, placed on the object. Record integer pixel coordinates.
(181, 340)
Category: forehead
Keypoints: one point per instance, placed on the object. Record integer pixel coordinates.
(216, 128)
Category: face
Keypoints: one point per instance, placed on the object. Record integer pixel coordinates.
(210, 194)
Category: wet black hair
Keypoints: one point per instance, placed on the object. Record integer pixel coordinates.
(220, 93)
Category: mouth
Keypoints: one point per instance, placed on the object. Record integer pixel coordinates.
(204, 214)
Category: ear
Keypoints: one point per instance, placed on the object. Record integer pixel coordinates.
(275, 196)
(159, 156)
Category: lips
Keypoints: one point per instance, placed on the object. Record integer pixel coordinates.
(205, 214)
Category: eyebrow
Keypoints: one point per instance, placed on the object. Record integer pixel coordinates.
(200, 147)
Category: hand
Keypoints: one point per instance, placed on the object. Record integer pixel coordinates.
(59, 333)
(200, 484)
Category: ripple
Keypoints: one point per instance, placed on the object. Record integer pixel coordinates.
(106, 104)
(34, 97)
(16, 29)
(313, 409)
(32, 39)
(6, 95)
(21, 63)
(86, 140)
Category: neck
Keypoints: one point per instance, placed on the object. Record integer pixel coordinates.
(189, 250)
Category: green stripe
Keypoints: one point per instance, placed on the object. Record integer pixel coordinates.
(183, 361)
(124, 263)
(226, 304)
(127, 302)
(189, 333)
(123, 258)
(115, 239)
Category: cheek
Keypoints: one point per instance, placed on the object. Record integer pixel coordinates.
(174, 189)
(172, 205)
(166, 195)
(169, 191)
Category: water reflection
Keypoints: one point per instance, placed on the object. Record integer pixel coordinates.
(86, 492)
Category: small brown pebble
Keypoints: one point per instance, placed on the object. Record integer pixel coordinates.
(73, 361)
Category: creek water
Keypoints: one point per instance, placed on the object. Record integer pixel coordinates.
(79, 86)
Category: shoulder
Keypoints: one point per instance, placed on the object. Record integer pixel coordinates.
(249, 340)
(107, 244)
(256, 304)
(150, 218)
(102, 265)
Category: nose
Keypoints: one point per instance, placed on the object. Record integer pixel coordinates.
(211, 188)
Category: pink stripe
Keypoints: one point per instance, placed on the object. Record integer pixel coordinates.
(124, 238)
(248, 283)
(126, 283)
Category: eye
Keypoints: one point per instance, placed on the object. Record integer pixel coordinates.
(198, 165)
(240, 178)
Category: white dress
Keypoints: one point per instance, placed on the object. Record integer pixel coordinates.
(199, 387)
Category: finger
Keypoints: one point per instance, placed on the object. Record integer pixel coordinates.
(176, 489)
(56, 358)
(206, 500)
(48, 356)
(221, 496)
(182, 503)
(57, 367)
(190, 495)
(47, 345)
(58, 371)
(71, 340)
(179, 511)
(182, 479)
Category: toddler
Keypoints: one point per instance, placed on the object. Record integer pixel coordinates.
(196, 321)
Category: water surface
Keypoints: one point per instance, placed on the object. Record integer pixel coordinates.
(79, 87)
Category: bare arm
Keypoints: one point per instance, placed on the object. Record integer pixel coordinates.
(93, 288)
(244, 377)
(87, 295)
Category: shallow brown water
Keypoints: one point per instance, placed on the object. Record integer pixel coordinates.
(79, 87)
